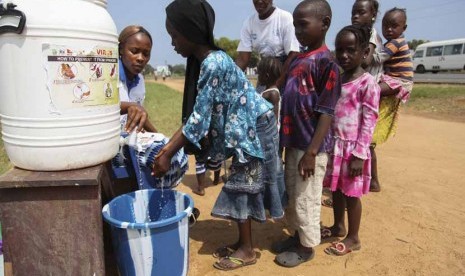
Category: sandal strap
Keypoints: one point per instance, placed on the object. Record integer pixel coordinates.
(235, 260)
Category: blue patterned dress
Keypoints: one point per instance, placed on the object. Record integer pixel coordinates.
(240, 124)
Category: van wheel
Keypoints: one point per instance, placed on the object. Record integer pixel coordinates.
(420, 69)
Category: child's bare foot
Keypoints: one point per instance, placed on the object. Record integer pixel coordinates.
(374, 186)
(343, 247)
(199, 191)
(225, 251)
(333, 233)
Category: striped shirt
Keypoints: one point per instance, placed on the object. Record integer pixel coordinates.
(396, 59)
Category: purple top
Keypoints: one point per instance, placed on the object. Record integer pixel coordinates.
(313, 86)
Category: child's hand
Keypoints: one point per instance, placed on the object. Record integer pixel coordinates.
(356, 166)
(307, 165)
(161, 164)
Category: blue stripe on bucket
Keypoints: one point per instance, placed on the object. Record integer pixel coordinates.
(131, 197)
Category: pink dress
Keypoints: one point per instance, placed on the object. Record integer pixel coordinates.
(353, 124)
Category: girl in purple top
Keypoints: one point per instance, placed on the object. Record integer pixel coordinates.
(348, 172)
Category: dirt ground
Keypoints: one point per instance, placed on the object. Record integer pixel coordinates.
(415, 226)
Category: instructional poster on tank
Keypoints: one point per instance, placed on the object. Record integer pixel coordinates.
(81, 78)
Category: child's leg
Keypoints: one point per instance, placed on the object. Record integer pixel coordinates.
(351, 242)
(290, 181)
(200, 190)
(215, 166)
(216, 178)
(304, 215)
(200, 174)
(374, 184)
(354, 215)
(339, 208)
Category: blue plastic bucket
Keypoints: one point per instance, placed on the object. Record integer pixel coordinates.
(150, 231)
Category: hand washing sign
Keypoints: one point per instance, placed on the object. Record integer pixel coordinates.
(79, 78)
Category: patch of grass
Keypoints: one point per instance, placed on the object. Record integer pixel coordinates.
(430, 91)
(164, 106)
(4, 161)
(438, 101)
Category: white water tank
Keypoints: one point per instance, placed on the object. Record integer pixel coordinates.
(59, 103)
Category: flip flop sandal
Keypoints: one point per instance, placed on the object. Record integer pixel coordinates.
(238, 263)
(223, 252)
(327, 236)
(340, 249)
(293, 258)
(328, 202)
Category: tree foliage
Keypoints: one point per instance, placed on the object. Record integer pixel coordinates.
(148, 70)
(178, 69)
(413, 44)
(230, 47)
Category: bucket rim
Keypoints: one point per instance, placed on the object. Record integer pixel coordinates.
(148, 225)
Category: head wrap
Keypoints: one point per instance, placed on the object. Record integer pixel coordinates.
(195, 20)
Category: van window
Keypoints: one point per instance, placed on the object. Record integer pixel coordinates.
(418, 54)
(434, 51)
(455, 49)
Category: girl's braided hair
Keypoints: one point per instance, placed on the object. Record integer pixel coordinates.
(362, 34)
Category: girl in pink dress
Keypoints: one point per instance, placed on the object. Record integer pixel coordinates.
(348, 172)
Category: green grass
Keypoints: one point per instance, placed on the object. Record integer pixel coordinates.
(4, 162)
(430, 91)
(438, 101)
(163, 105)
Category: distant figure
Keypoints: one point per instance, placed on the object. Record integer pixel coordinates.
(163, 74)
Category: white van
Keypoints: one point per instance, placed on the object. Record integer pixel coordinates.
(436, 56)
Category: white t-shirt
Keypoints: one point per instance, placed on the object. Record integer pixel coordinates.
(375, 69)
(274, 36)
(137, 95)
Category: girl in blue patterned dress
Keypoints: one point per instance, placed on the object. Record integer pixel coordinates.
(238, 122)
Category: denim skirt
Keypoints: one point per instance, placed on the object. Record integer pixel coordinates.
(257, 185)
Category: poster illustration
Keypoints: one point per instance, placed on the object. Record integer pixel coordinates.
(79, 78)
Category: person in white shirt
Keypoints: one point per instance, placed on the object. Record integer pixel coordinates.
(269, 32)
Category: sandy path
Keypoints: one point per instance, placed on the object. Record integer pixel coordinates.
(415, 226)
